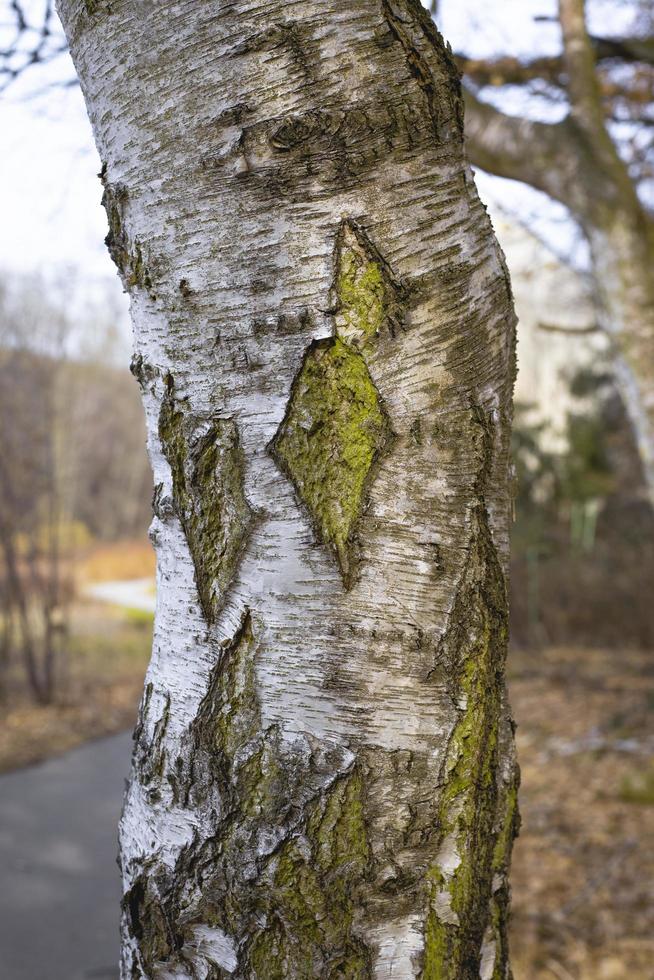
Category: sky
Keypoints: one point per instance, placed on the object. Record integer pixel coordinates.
(50, 193)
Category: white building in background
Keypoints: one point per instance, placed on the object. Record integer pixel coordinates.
(557, 332)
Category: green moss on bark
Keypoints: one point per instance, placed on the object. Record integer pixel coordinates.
(508, 828)
(368, 299)
(228, 715)
(295, 918)
(313, 900)
(334, 430)
(499, 912)
(336, 426)
(228, 724)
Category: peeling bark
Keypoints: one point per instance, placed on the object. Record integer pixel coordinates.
(324, 775)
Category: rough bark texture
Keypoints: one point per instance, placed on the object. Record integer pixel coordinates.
(324, 778)
(576, 162)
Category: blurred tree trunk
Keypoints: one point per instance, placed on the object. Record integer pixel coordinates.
(33, 586)
(324, 779)
(576, 162)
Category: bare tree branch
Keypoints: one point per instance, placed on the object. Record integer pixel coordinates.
(509, 70)
(580, 67)
(557, 328)
(35, 40)
(626, 49)
(540, 154)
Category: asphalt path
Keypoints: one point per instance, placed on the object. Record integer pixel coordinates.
(59, 883)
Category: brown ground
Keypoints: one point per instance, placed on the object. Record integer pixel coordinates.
(101, 682)
(583, 873)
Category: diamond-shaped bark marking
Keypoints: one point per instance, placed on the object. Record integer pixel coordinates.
(334, 430)
(207, 465)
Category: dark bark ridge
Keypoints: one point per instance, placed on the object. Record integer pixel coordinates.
(266, 798)
(477, 813)
(314, 815)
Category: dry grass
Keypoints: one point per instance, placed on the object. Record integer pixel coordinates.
(101, 676)
(118, 560)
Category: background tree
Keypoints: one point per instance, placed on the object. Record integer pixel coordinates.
(324, 779)
(597, 161)
(34, 586)
(73, 467)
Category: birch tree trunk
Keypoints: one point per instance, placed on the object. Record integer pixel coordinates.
(324, 780)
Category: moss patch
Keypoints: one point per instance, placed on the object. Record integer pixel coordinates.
(499, 912)
(313, 899)
(367, 297)
(228, 716)
(294, 917)
(336, 425)
(335, 428)
(208, 495)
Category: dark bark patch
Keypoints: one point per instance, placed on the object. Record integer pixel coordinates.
(93, 7)
(431, 63)
(339, 143)
(126, 255)
(305, 155)
(475, 647)
(232, 116)
(290, 35)
(228, 716)
(142, 371)
(150, 754)
(281, 873)
(147, 922)
(311, 905)
(207, 465)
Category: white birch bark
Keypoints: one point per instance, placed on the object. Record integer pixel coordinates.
(324, 778)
